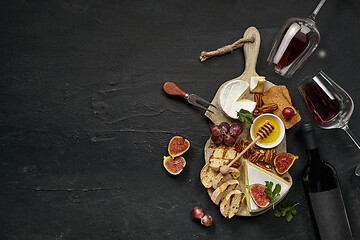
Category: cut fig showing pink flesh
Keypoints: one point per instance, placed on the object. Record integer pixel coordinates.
(258, 195)
(174, 165)
(178, 146)
(283, 162)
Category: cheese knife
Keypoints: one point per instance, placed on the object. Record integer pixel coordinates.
(174, 90)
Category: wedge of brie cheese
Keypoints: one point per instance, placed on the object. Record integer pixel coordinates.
(231, 98)
(257, 175)
(257, 84)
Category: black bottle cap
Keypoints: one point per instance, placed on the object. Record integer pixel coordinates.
(309, 136)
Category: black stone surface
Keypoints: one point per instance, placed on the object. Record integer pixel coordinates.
(84, 122)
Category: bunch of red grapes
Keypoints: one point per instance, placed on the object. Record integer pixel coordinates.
(225, 133)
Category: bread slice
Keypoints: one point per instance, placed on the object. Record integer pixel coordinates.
(219, 152)
(231, 203)
(207, 176)
(224, 189)
(216, 163)
(221, 156)
(230, 153)
(234, 173)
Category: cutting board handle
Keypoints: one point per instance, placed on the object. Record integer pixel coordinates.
(251, 51)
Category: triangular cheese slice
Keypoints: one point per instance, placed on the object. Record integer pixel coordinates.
(257, 175)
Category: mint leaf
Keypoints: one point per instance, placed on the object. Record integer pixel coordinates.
(277, 213)
(273, 195)
(289, 216)
(269, 184)
(286, 210)
(245, 116)
(248, 120)
(246, 113)
(277, 189)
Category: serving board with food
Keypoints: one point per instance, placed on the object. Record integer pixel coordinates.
(240, 109)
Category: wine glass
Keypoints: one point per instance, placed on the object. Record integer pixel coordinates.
(329, 104)
(295, 43)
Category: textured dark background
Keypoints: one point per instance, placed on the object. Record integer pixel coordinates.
(84, 122)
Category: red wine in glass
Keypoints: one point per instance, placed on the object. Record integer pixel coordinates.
(295, 46)
(321, 103)
(297, 40)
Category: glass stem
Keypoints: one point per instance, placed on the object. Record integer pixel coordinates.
(352, 136)
(316, 10)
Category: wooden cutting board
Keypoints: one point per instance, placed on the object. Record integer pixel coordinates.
(251, 52)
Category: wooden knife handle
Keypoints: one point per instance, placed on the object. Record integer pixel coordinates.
(173, 89)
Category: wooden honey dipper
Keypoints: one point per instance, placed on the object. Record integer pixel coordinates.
(264, 131)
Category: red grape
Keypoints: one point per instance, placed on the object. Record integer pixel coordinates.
(225, 126)
(206, 220)
(235, 129)
(229, 140)
(215, 130)
(288, 113)
(198, 212)
(217, 140)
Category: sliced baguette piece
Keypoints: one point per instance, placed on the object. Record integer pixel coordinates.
(207, 176)
(224, 189)
(219, 152)
(216, 163)
(231, 203)
(230, 154)
(234, 173)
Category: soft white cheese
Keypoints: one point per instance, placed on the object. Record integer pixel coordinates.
(257, 84)
(257, 175)
(230, 98)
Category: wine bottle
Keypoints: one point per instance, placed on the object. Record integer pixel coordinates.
(323, 193)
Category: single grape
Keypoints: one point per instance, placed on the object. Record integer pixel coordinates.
(288, 113)
(229, 140)
(225, 126)
(217, 139)
(216, 130)
(235, 129)
(198, 212)
(206, 220)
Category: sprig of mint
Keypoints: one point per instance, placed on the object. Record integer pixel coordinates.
(273, 195)
(245, 116)
(286, 210)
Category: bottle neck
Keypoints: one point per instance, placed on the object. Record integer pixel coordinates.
(314, 156)
(311, 146)
(310, 141)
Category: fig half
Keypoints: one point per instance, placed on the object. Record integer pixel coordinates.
(258, 195)
(283, 162)
(178, 146)
(174, 165)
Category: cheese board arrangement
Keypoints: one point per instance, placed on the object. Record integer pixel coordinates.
(256, 165)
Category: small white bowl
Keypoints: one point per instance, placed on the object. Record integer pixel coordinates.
(278, 140)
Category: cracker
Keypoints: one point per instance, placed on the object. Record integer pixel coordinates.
(280, 95)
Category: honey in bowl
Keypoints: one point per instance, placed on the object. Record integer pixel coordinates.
(274, 135)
